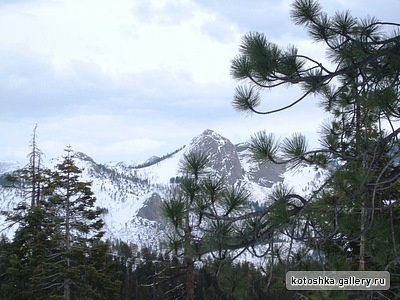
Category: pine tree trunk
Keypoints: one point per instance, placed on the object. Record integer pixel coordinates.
(67, 289)
(33, 181)
(67, 286)
(361, 266)
(33, 196)
(189, 278)
(189, 263)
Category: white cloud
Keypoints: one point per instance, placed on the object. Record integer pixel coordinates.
(124, 80)
(110, 36)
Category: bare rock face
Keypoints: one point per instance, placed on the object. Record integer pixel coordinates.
(267, 174)
(264, 174)
(151, 209)
(222, 153)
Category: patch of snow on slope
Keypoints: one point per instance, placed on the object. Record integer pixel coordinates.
(161, 172)
(9, 166)
(305, 179)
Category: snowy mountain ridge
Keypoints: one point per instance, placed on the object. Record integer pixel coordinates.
(132, 194)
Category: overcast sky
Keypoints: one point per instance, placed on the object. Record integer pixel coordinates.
(128, 79)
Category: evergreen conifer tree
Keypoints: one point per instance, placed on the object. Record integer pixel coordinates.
(58, 251)
(196, 210)
(81, 259)
(352, 216)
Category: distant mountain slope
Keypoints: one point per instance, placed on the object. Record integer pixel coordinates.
(133, 194)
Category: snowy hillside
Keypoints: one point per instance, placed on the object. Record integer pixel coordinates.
(8, 166)
(132, 194)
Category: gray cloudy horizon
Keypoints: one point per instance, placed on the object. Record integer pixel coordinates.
(130, 79)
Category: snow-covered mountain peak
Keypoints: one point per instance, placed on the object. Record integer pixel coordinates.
(83, 156)
(222, 154)
(132, 194)
(206, 138)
